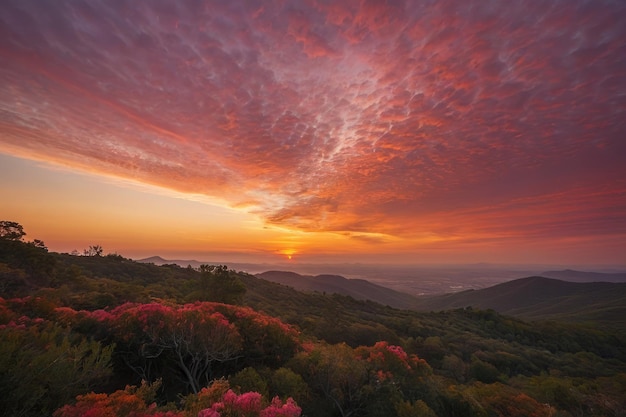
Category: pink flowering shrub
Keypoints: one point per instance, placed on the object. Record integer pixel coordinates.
(279, 409)
(250, 404)
(391, 363)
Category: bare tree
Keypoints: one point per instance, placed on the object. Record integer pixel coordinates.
(93, 250)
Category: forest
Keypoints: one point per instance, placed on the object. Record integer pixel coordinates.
(89, 334)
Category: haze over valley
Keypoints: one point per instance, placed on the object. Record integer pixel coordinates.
(421, 279)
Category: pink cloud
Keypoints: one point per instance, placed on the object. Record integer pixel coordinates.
(398, 117)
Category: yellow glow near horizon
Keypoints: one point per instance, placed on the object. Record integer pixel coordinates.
(72, 210)
(288, 253)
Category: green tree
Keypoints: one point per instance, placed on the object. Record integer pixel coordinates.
(338, 375)
(219, 284)
(287, 383)
(483, 371)
(248, 379)
(414, 409)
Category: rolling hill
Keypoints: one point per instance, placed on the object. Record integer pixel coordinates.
(359, 289)
(543, 298)
(585, 276)
(569, 295)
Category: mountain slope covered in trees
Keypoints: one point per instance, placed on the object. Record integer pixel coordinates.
(336, 284)
(544, 298)
(214, 342)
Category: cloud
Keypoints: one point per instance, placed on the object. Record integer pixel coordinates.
(400, 118)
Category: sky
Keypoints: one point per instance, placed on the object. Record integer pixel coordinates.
(322, 131)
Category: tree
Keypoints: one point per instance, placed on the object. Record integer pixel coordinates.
(93, 250)
(11, 230)
(219, 284)
(39, 244)
(414, 409)
(191, 338)
(286, 383)
(248, 379)
(335, 372)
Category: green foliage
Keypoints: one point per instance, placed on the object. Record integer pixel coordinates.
(13, 281)
(336, 375)
(44, 366)
(218, 284)
(415, 409)
(501, 400)
(287, 383)
(483, 371)
(26, 267)
(248, 379)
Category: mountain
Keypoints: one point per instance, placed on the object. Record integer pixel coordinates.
(251, 268)
(584, 276)
(157, 260)
(543, 298)
(359, 289)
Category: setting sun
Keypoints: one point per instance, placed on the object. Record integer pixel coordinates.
(288, 253)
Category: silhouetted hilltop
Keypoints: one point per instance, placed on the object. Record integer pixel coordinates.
(157, 260)
(584, 276)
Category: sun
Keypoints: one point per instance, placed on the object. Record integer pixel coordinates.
(288, 253)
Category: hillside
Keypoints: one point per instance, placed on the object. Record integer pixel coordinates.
(585, 276)
(543, 298)
(127, 321)
(534, 298)
(335, 284)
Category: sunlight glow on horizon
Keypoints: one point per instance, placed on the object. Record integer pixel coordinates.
(320, 131)
(71, 210)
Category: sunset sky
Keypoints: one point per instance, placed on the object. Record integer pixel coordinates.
(329, 131)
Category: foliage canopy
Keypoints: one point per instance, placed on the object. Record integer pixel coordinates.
(109, 336)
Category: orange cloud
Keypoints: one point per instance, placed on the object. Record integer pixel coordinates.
(441, 121)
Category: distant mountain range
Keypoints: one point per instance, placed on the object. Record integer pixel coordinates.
(542, 298)
(237, 266)
(560, 295)
(583, 276)
(530, 298)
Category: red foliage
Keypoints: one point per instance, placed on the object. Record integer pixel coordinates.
(6, 314)
(120, 403)
(391, 359)
(278, 409)
(250, 404)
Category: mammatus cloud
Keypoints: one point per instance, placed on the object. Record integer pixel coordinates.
(455, 119)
